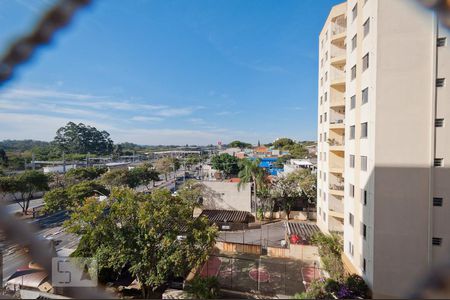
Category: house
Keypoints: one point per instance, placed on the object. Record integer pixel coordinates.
(295, 164)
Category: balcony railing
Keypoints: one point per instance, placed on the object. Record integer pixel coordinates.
(338, 121)
(333, 142)
(336, 187)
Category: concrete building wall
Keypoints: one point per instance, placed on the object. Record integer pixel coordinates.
(226, 195)
(393, 195)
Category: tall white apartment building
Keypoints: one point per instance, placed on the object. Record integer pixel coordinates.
(384, 140)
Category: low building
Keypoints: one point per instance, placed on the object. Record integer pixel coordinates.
(231, 151)
(117, 166)
(296, 164)
(228, 219)
(58, 168)
(225, 195)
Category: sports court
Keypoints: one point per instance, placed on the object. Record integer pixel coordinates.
(268, 275)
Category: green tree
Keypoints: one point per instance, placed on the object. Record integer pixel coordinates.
(192, 191)
(239, 144)
(281, 143)
(152, 236)
(144, 175)
(286, 192)
(82, 174)
(3, 158)
(226, 163)
(203, 288)
(330, 249)
(167, 165)
(56, 200)
(28, 183)
(251, 173)
(79, 138)
(121, 177)
(192, 160)
(77, 193)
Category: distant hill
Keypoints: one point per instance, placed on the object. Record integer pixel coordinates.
(21, 145)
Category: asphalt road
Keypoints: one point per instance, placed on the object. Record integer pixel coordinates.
(14, 207)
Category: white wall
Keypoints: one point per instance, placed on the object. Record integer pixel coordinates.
(225, 195)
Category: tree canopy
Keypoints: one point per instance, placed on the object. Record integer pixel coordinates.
(82, 174)
(282, 142)
(239, 144)
(80, 138)
(23, 186)
(152, 236)
(167, 165)
(226, 163)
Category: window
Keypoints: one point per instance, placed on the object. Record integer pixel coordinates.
(365, 95)
(440, 82)
(439, 123)
(352, 161)
(354, 42)
(352, 102)
(326, 97)
(364, 265)
(366, 27)
(364, 130)
(320, 137)
(324, 197)
(363, 230)
(321, 98)
(321, 63)
(326, 36)
(325, 159)
(352, 132)
(365, 62)
(325, 117)
(353, 72)
(350, 248)
(321, 44)
(437, 241)
(441, 42)
(364, 196)
(324, 216)
(326, 56)
(363, 163)
(350, 219)
(438, 162)
(321, 81)
(320, 211)
(320, 119)
(354, 12)
(326, 76)
(324, 136)
(437, 201)
(352, 190)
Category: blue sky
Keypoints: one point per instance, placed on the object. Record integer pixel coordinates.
(169, 72)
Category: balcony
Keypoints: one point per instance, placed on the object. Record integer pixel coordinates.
(337, 124)
(336, 169)
(336, 189)
(337, 78)
(338, 30)
(338, 55)
(336, 145)
(336, 208)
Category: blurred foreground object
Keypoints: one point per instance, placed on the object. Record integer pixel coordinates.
(442, 8)
(22, 50)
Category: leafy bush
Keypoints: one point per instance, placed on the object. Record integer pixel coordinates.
(349, 288)
(330, 249)
(203, 288)
(357, 286)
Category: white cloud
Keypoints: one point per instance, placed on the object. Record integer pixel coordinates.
(146, 119)
(175, 112)
(198, 121)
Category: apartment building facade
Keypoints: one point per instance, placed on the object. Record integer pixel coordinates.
(396, 197)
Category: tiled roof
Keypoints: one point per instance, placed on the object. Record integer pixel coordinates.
(234, 216)
(304, 230)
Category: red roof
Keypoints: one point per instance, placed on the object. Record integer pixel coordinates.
(235, 179)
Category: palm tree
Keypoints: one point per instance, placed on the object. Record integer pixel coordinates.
(251, 173)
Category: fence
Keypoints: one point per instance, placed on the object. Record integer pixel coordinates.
(267, 276)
